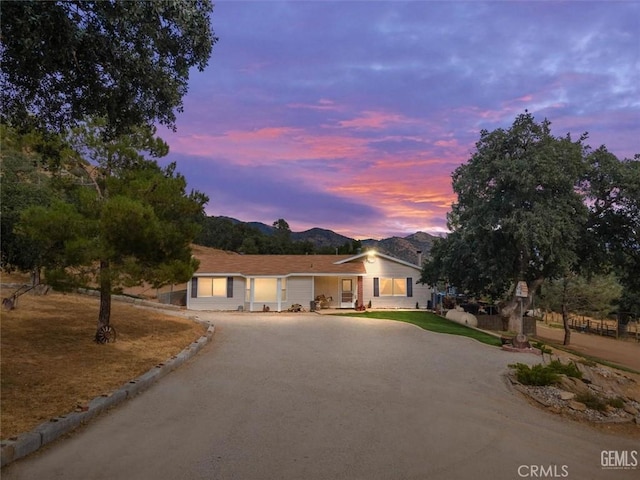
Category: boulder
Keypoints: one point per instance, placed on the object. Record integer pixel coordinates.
(573, 385)
(462, 317)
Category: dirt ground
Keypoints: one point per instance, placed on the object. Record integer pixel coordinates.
(622, 352)
(51, 366)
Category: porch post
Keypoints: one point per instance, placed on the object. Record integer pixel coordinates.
(252, 293)
(360, 301)
(313, 289)
(279, 293)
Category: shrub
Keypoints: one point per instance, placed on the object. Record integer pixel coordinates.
(541, 375)
(568, 369)
(592, 401)
(617, 402)
(538, 375)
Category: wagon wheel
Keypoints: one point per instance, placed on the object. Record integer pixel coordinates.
(106, 334)
(8, 303)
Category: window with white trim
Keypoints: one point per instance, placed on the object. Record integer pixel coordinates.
(266, 290)
(393, 287)
(212, 286)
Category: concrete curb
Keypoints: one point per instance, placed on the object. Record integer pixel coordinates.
(27, 443)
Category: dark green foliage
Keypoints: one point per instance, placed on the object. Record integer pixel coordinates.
(593, 295)
(518, 213)
(128, 62)
(569, 369)
(541, 374)
(617, 402)
(535, 207)
(25, 170)
(592, 401)
(613, 233)
(120, 220)
(538, 375)
(227, 234)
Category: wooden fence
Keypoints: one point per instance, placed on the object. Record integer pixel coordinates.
(607, 328)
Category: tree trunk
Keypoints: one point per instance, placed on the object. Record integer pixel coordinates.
(509, 315)
(565, 311)
(105, 295)
(565, 323)
(510, 312)
(35, 277)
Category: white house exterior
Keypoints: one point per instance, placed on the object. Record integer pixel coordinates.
(231, 281)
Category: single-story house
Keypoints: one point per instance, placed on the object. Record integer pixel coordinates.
(232, 281)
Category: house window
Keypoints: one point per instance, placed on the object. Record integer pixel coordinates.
(266, 290)
(212, 286)
(393, 287)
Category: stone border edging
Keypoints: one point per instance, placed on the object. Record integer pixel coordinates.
(27, 443)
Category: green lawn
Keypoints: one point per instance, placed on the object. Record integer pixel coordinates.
(432, 322)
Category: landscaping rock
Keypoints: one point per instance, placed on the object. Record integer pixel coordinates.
(567, 395)
(578, 406)
(603, 382)
(573, 385)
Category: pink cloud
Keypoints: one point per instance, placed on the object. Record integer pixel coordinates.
(273, 133)
(270, 145)
(447, 143)
(373, 120)
(321, 105)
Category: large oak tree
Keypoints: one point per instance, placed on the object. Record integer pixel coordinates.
(126, 61)
(518, 217)
(613, 230)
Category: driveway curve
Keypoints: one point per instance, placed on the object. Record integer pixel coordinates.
(303, 396)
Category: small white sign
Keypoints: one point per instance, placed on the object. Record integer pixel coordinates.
(522, 289)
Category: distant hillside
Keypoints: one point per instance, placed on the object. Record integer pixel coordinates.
(405, 248)
(261, 227)
(321, 237)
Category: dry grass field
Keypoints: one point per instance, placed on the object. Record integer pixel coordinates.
(50, 366)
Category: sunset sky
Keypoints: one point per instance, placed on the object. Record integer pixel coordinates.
(352, 115)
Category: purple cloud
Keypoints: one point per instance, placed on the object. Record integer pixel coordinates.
(353, 115)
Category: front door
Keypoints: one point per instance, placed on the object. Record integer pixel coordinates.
(346, 294)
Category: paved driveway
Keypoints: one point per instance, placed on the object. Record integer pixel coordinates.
(303, 396)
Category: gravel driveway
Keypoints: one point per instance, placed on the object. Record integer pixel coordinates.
(303, 396)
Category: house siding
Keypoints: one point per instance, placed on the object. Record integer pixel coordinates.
(304, 287)
(218, 303)
(299, 290)
(383, 268)
(330, 288)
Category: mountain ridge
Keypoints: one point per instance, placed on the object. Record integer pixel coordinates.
(413, 248)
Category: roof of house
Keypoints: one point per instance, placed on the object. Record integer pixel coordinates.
(213, 261)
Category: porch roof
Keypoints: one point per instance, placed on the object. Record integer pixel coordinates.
(213, 261)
